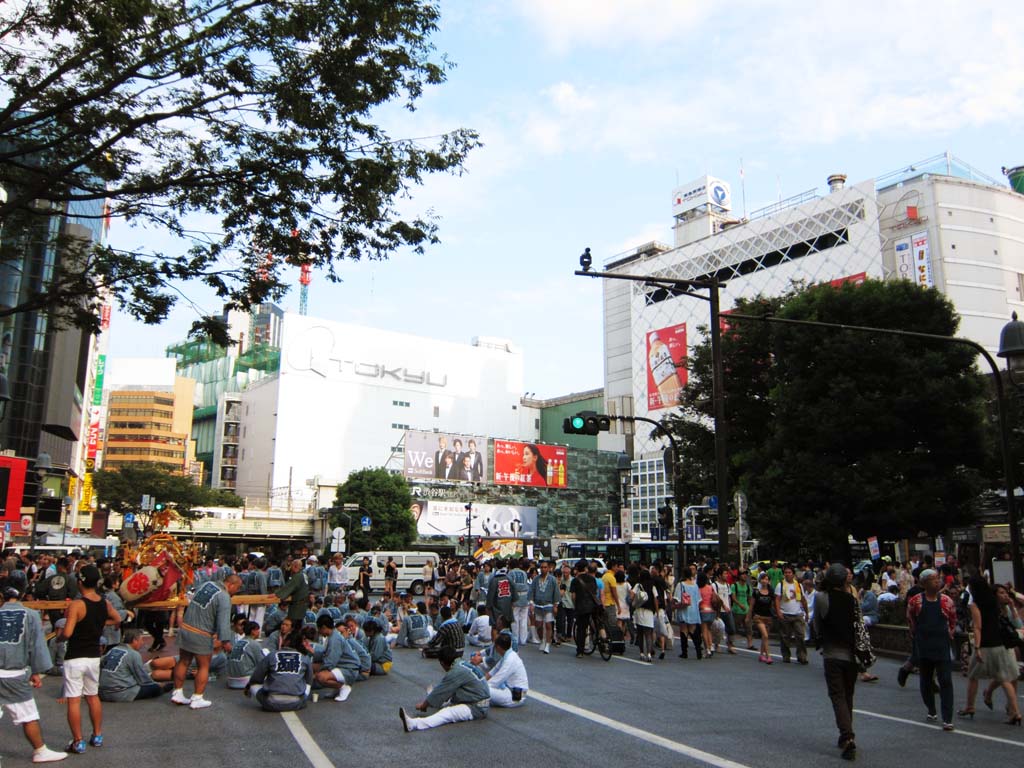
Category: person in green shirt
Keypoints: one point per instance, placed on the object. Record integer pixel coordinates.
(740, 593)
(295, 593)
(775, 574)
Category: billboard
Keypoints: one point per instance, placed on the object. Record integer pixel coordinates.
(666, 371)
(445, 456)
(705, 191)
(922, 261)
(448, 518)
(12, 487)
(541, 466)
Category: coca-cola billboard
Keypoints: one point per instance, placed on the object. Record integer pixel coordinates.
(666, 366)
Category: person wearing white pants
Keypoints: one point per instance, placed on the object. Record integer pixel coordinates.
(507, 681)
(461, 696)
(520, 603)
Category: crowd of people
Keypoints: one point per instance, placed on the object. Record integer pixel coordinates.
(323, 635)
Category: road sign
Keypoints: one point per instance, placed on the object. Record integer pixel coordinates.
(147, 500)
(366, 522)
(338, 532)
(338, 540)
(713, 502)
(7, 527)
(26, 522)
(739, 500)
(350, 507)
(129, 518)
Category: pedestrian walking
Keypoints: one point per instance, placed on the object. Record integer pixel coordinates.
(835, 615)
(763, 605)
(932, 619)
(686, 597)
(992, 660)
(791, 610)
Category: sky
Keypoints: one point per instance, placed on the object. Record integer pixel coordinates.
(592, 112)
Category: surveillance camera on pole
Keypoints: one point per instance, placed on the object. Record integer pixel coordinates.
(586, 260)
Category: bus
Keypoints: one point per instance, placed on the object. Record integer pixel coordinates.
(644, 551)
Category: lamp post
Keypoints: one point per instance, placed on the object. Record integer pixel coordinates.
(1011, 347)
(673, 287)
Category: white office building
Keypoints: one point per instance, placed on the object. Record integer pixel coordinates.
(938, 222)
(345, 396)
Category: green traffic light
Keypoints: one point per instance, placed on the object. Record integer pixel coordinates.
(578, 422)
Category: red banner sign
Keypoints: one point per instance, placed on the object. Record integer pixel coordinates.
(666, 371)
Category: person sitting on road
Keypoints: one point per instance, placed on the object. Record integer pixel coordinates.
(449, 635)
(507, 679)
(480, 629)
(378, 648)
(415, 631)
(245, 655)
(339, 668)
(461, 696)
(283, 679)
(124, 676)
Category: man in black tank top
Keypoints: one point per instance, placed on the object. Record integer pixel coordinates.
(86, 618)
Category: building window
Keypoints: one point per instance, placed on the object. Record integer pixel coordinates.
(397, 449)
(399, 426)
(536, 423)
(401, 403)
(437, 411)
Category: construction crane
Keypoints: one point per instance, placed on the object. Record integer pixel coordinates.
(305, 278)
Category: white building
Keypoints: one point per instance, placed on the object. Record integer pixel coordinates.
(938, 222)
(346, 394)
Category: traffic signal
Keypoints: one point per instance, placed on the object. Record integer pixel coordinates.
(586, 423)
(665, 517)
(158, 506)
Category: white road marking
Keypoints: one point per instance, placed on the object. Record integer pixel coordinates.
(958, 731)
(650, 738)
(314, 754)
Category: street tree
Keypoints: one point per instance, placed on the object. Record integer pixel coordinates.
(122, 489)
(268, 121)
(848, 433)
(385, 498)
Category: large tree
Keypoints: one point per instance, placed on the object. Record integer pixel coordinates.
(122, 489)
(851, 433)
(265, 116)
(386, 499)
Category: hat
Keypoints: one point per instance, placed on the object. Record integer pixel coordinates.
(351, 593)
(90, 576)
(403, 594)
(10, 593)
(312, 559)
(836, 574)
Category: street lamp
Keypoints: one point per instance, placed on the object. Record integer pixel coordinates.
(1011, 348)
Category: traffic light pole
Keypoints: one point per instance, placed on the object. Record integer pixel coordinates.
(678, 287)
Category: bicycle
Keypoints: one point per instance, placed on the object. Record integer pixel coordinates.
(597, 638)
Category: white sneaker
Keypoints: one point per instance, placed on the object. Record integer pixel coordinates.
(46, 755)
(179, 697)
(198, 702)
(546, 648)
(344, 693)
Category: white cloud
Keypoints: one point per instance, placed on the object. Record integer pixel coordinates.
(612, 23)
(797, 75)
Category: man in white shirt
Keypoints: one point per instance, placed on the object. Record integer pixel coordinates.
(480, 629)
(507, 680)
(791, 609)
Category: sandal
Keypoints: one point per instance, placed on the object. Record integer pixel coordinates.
(986, 700)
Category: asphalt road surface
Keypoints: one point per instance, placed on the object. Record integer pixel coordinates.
(725, 711)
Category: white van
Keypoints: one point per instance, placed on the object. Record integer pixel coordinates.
(410, 569)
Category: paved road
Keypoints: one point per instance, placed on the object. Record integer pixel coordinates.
(725, 711)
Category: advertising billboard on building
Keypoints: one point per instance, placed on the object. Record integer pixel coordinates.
(922, 261)
(542, 466)
(448, 518)
(445, 456)
(666, 371)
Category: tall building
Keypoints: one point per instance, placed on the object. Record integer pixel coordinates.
(149, 421)
(49, 372)
(938, 222)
